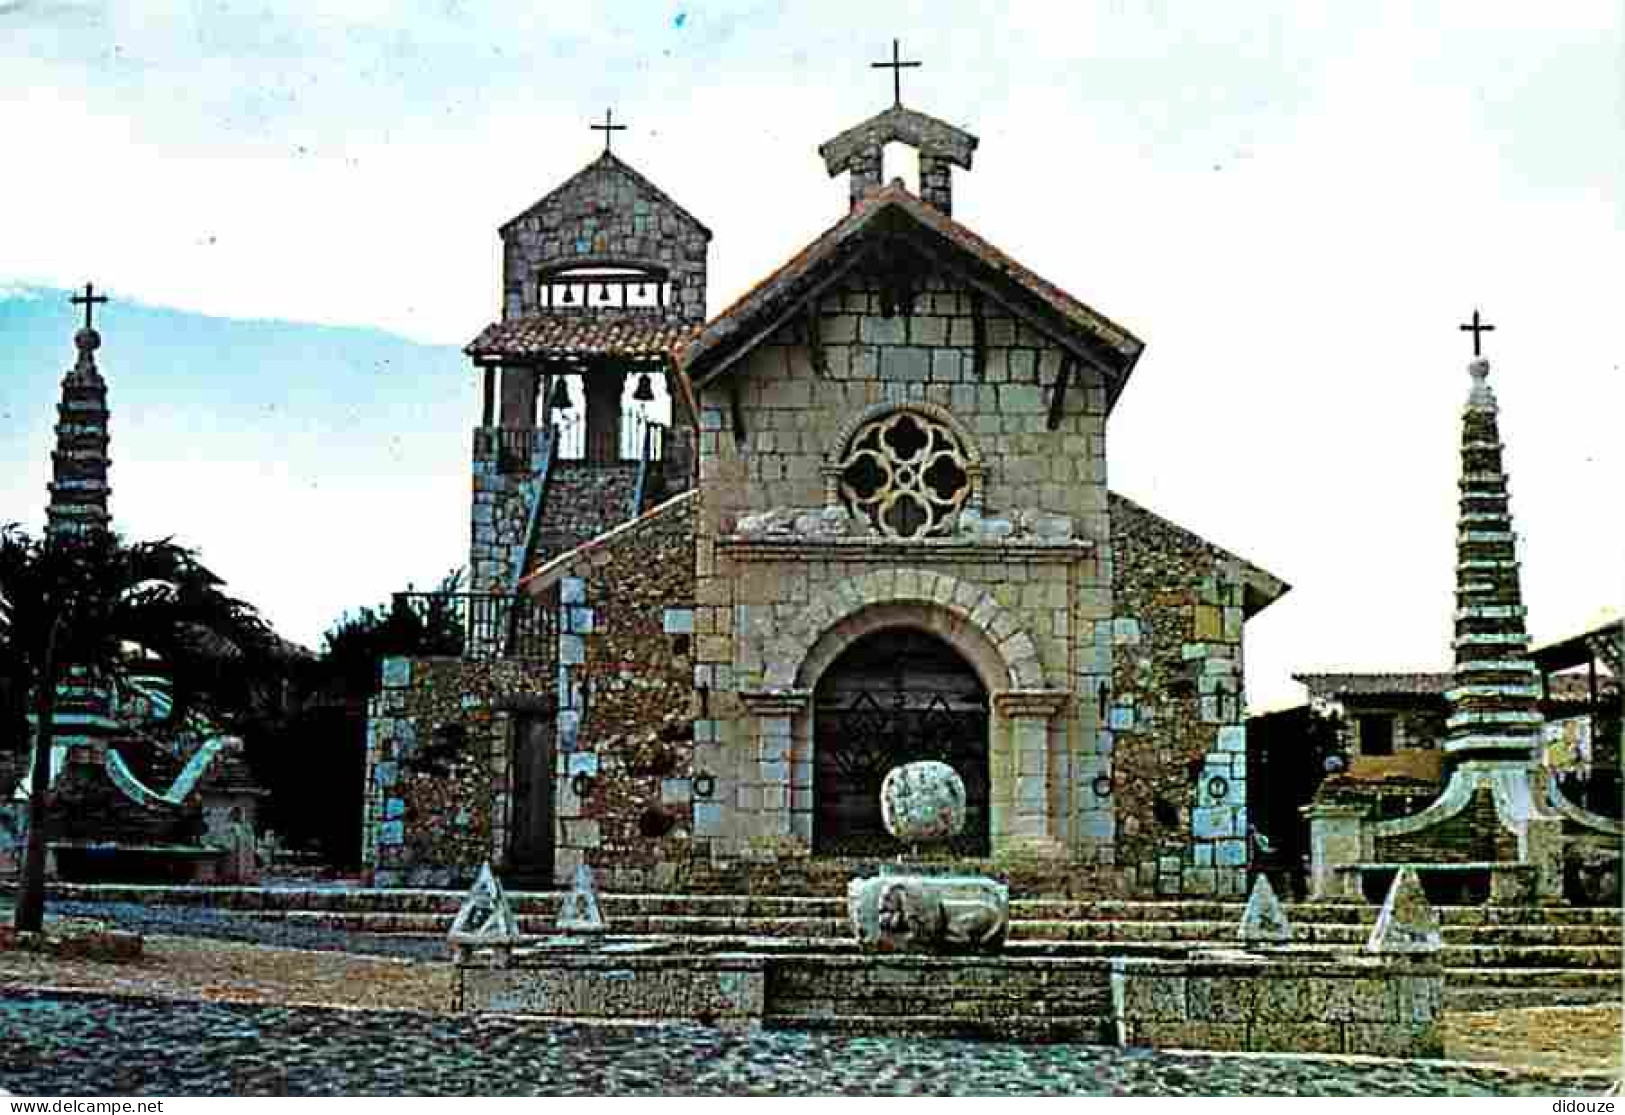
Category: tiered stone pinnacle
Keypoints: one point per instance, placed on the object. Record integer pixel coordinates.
(1494, 702)
(79, 463)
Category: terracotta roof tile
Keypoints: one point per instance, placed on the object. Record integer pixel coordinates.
(1384, 685)
(558, 336)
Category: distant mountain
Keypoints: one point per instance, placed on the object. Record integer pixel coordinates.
(317, 468)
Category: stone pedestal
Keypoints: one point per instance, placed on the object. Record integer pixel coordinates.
(1336, 839)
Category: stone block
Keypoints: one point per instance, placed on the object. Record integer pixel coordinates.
(1225, 1037)
(1352, 998)
(1221, 998)
(1295, 1037)
(1393, 1039)
(1151, 997)
(392, 832)
(1209, 623)
(582, 833)
(707, 818)
(397, 672)
(876, 330)
(1232, 738)
(1230, 853)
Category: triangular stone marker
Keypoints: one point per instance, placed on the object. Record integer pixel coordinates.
(1407, 924)
(1264, 921)
(580, 913)
(486, 920)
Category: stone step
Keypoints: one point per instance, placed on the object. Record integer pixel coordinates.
(1601, 978)
(1592, 944)
(405, 901)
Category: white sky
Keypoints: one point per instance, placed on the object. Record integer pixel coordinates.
(1292, 204)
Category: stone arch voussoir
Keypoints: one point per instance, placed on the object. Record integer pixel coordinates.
(968, 618)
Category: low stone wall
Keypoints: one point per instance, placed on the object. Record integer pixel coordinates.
(1281, 1004)
(1370, 1005)
(604, 985)
(1046, 999)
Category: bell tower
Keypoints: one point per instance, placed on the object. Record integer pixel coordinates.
(859, 151)
(603, 281)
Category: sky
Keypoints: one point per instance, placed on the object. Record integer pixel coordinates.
(1294, 205)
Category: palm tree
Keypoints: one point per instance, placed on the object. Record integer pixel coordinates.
(87, 602)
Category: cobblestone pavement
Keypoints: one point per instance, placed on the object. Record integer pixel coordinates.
(90, 1044)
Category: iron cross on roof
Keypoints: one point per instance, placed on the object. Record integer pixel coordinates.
(608, 126)
(89, 300)
(1475, 328)
(896, 66)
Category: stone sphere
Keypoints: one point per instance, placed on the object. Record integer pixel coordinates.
(923, 801)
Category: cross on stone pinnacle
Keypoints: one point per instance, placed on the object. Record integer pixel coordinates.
(896, 66)
(608, 126)
(89, 300)
(1475, 328)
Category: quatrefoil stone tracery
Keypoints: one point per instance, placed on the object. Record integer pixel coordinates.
(907, 473)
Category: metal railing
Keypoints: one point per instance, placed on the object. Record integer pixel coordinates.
(514, 449)
(640, 435)
(477, 625)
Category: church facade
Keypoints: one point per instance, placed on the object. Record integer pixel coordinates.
(878, 529)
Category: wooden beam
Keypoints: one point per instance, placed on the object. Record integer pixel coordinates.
(787, 314)
(1090, 351)
(978, 331)
(736, 411)
(815, 340)
(1057, 398)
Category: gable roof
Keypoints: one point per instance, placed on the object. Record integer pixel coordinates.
(1260, 588)
(606, 163)
(892, 210)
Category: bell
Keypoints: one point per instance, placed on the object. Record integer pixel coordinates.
(644, 392)
(560, 399)
(645, 291)
(569, 296)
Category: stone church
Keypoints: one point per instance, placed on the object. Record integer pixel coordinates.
(876, 528)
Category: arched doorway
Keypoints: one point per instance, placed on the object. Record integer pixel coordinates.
(892, 697)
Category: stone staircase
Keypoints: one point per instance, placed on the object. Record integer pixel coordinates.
(1494, 955)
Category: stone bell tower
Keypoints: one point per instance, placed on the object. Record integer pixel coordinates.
(859, 150)
(603, 281)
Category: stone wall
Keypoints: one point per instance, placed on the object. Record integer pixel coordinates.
(1368, 1006)
(503, 502)
(1175, 741)
(439, 758)
(625, 722)
(787, 574)
(1377, 1007)
(608, 212)
(584, 499)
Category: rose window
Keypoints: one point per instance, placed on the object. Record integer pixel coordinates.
(907, 473)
